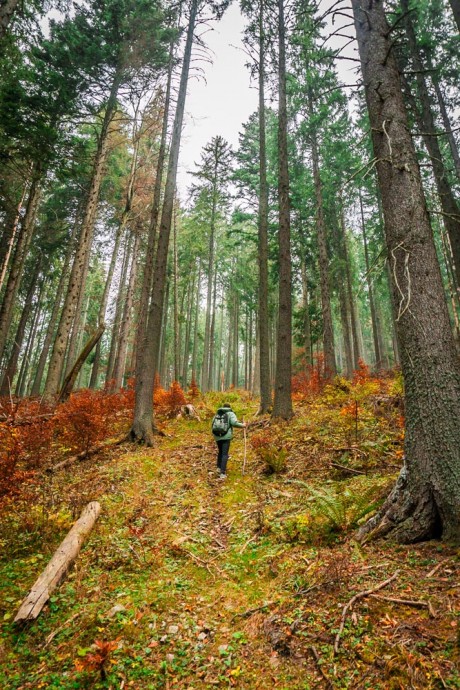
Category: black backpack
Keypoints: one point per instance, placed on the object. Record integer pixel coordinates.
(220, 423)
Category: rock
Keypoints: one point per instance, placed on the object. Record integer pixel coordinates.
(118, 608)
(173, 629)
(202, 636)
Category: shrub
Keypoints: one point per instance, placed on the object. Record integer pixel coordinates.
(168, 403)
(85, 418)
(194, 391)
(274, 459)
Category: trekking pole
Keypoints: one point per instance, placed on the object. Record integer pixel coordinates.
(244, 459)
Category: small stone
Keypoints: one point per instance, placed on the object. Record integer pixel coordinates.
(170, 657)
(164, 639)
(118, 608)
(202, 636)
(173, 629)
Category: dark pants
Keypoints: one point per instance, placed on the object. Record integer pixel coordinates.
(222, 455)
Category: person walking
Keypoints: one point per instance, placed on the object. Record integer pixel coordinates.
(222, 429)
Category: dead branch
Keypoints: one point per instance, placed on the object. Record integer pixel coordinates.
(62, 559)
(319, 666)
(408, 602)
(353, 601)
(346, 469)
(86, 454)
(71, 377)
(438, 567)
(250, 612)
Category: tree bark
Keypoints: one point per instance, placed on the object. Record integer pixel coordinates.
(24, 375)
(447, 125)
(370, 289)
(355, 326)
(282, 407)
(8, 239)
(323, 260)
(426, 499)
(123, 337)
(17, 266)
(425, 119)
(263, 325)
(83, 250)
(455, 4)
(10, 371)
(146, 287)
(143, 427)
(195, 325)
(103, 306)
(7, 10)
(58, 565)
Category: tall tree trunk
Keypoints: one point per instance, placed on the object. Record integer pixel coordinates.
(8, 239)
(83, 251)
(188, 329)
(103, 306)
(263, 326)
(212, 333)
(176, 343)
(146, 287)
(355, 326)
(447, 125)
(64, 275)
(370, 289)
(120, 362)
(143, 427)
(17, 266)
(195, 326)
(10, 371)
(118, 308)
(306, 308)
(426, 499)
(323, 260)
(344, 304)
(235, 345)
(207, 327)
(282, 406)
(455, 4)
(425, 119)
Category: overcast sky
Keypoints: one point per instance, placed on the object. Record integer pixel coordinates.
(222, 103)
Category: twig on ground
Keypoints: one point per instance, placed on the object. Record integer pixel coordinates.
(346, 469)
(52, 635)
(353, 601)
(438, 567)
(249, 612)
(319, 666)
(243, 548)
(408, 602)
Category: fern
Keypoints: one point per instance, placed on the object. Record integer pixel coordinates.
(346, 508)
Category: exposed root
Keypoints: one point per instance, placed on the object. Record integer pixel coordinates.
(143, 433)
(407, 519)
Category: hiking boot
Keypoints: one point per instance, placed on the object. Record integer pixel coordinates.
(222, 476)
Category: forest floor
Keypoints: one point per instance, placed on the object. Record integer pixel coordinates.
(191, 582)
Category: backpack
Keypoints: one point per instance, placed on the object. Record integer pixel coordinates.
(220, 424)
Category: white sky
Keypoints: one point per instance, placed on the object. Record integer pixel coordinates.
(224, 101)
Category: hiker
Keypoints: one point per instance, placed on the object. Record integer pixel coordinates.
(222, 429)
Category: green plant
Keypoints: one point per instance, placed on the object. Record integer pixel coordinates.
(274, 459)
(344, 508)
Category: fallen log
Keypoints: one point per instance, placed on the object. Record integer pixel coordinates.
(62, 559)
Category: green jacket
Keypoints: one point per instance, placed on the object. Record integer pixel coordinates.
(233, 419)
